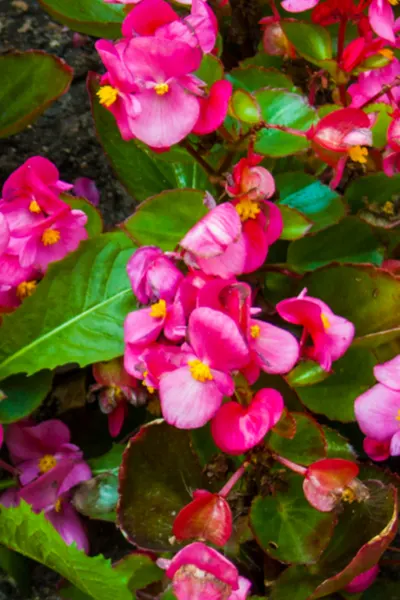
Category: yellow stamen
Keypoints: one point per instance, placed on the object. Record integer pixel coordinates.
(358, 154)
(150, 388)
(398, 415)
(387, 53)
(161, 88)
(107, 95)
(325, 321)
(158, 310)
(388, 208)
(25, 289)
(34, 207)
(58, 505)
(247, 209)
(348, 495)
(200, 371)
(394, 2)
(255, 331)
(50, 237)
(46, 463)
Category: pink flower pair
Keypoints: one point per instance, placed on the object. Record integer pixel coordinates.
(50, 466)
(378, 412)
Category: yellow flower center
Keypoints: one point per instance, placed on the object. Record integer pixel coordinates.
(398, 415)
(25, 289)
(388, 208)
(255, 331)
(158, 310)
(200, 371)
(58, 505)
(107, 95)
(387, 53)
(325, 321)
(247, 209)
(50, 237)
(46, 463)
(161, 88)
(348, 495)
(34, 207)
(358, 154)
(150, 388)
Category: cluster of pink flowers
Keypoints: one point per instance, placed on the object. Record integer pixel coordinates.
(36, 228)
(49, 466)
(150, 86)
(200, 331)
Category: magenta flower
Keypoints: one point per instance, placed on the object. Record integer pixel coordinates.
(370, 83)
(150, 88)
(299, 5)
(87, 188)
(237, 429)
(201, 573)
(378, 411)
(191, 394)
(363, 581)
(142, 327)
(381, 19)
(17, 283)
(153, 275)
(213, 108)
(331, 335)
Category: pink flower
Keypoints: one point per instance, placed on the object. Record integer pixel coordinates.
(150, 89)
(358, 50)
(213, 108)
(363, 581)
(331, 335)
(249, 180)
(237, 429)
(201, 573)
(142, 327)
(393, 133)
(371, 83)
(378, 411)
(381, 19)
(208, 517)
(191, 394)
(117, 388)
(153, 275)
(391, 163)
(86, 188)
(17, 283)
(299, 5)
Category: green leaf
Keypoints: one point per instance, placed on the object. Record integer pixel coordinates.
(287, 527)
(372, 191)
(97, 497)
(261, 59)
(76, 314)
(30, 82)
(109, 462)
(33, 536)
(94, 225)
(306, 372)
(253, 78)
(338, 446)
(164, 220)
(93, 17)
(368, 297)
(17, 568)
(280, 107)
(23, 395)
(295, 224)
(210, 70)
(142, 171)
(295, 583)
(334, 397)
(313, 42)
(155, 484)
(245, 107)
(140, 569)
(308, 444)
(383, 113)
(308, 195)
(351, 240)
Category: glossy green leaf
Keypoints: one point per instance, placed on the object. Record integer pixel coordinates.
(338, 446)
(334, 397)
(210, 70)
(280, 107)
(164, 220)
(261, 59)
(253, 78)
(109, 462)
(383, 115)
(311, 41)
(308, 444)
(295, 224)
(368, 297)
(295, 583)
(17, 568)
(245, 107)
(306, 372)
(372, 192)
(94, 225)
(23, 395)
(30, 82)
(308, 195)
(155, 484)
(93, 17)
(76, 314)
(351, 240)
(142, 171)
(287, 527)
(33, 536)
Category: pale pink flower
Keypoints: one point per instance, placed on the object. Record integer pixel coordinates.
(382, 20)
(299, 5)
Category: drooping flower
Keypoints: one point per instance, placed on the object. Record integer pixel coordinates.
(274, 40)
(153, 275)
(363, 581)
(208, 517)
(331, 334)
(378, 411)
(191, 394)
(237, 429)
(201, 573)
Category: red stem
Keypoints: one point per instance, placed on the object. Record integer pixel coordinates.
(341, 38)
(233, 480)
(291, 465)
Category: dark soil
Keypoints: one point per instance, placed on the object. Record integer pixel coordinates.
(65, 133)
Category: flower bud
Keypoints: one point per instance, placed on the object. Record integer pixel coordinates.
(153, 275)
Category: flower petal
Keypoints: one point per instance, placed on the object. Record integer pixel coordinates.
(376, 411)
